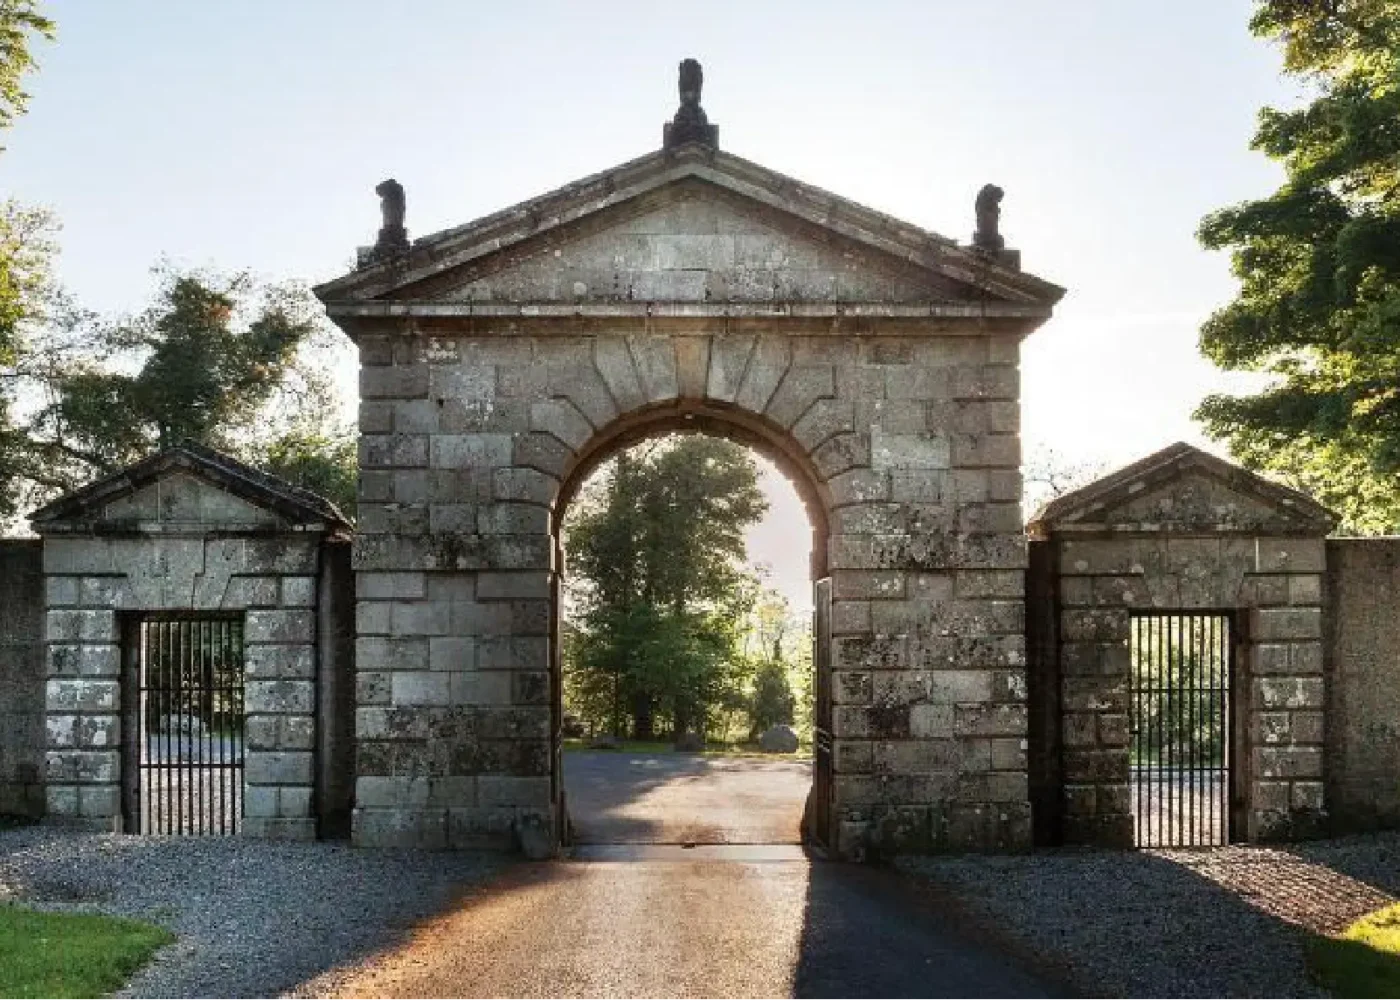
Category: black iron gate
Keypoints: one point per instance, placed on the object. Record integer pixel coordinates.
(183, 744)
(1181, 733)
(819, 816)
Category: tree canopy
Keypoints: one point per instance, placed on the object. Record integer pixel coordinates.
(661, 594)
(1319, 267)
(26, 234)
(20, 23)
(223, 361)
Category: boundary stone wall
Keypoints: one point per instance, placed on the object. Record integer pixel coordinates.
(1363, 683)
(21, 678)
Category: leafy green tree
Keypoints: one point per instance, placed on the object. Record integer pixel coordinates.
(656, 556)
(773, 702)
(27, 297)
(1319, 267)
(27, 289)
(322, 458)
(26, 244)
(20, 24)
(223, 361)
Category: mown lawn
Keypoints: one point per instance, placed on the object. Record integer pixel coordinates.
(71, 954)
(1362, 961)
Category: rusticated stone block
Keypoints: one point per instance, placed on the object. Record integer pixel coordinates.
(91, 626)
(1273, 693)
(1081, 800)
(280, 732)
(1094, 694)
(87, 694)
(280, 697)
(403, 828)
(279, 626)
(1287, 624)
(286, 661)
(71, 660)
(289, 767)
(990, 720)
(853, 757)
(82, 767)
(1288, 762)
(83, 732)
(1096, 766)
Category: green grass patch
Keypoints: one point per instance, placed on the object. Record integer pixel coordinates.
(71, 954)
(1362, 961)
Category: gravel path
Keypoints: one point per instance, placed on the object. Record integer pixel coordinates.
(1216, 923)
(252, 918)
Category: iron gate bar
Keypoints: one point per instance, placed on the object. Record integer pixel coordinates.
(188, 715)
(1180, 738)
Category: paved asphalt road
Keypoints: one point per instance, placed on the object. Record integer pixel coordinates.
(668, 927)
(642, 920)
(673, 798)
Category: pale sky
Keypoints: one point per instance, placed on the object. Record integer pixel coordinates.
(251, 135)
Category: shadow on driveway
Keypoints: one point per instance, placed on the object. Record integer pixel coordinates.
(676, 798)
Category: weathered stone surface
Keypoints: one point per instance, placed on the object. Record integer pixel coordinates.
(1177, 531)
(883, 377)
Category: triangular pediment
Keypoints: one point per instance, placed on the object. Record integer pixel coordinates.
(1184, 490)
(188, 488)
(693, 227)
(692, 243)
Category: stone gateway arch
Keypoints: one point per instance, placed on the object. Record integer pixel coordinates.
(690, 288)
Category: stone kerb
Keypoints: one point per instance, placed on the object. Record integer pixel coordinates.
(1157, 552)
(909, 444)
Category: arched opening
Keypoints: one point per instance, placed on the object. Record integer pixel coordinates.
(630, 765)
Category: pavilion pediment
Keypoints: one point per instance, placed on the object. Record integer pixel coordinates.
(693, 230)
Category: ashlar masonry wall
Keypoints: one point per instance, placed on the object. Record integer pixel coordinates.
(181, 544)
(1183, 531)
(1273, 587)
(908, 447)
(1363, 683)
(21, 678)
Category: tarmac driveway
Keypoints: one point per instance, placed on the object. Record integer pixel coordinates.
(675, 798)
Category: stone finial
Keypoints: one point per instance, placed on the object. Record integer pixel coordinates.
(988, 235)
(393, 237)
(690, 123)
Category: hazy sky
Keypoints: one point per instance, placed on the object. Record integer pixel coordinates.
(251, 135)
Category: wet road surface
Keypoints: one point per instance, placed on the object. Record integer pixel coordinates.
(673, 798)
(661, 925)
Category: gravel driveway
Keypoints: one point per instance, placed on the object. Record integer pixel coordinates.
(1221, 922)
(253, 918)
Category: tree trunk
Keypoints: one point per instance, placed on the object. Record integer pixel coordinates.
(643, 723)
